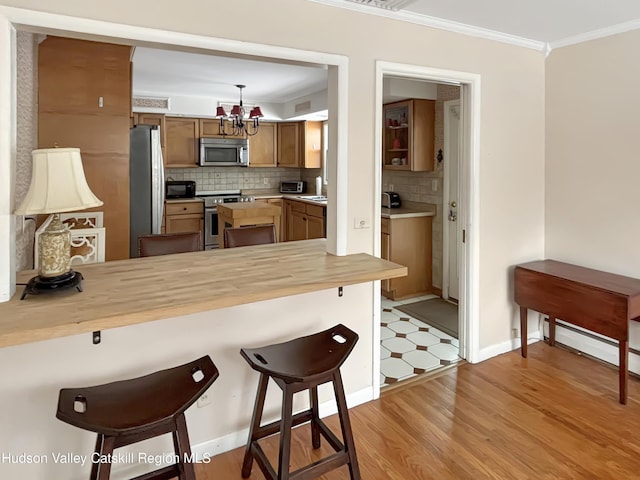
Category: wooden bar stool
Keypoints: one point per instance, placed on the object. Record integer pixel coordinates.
(130, 411)
(302, 364)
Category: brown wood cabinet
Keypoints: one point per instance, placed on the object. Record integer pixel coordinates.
(288, 144)
(304, 221)
(407, 241)
(182, 142)
(84, 101)
(184, 217)
(408, 135)
(300, 144)
(210, 127)
(263, 146)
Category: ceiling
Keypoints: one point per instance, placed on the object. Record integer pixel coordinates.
(170, 72)
(546, 22)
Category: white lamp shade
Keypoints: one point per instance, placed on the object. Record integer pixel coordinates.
(57, 184)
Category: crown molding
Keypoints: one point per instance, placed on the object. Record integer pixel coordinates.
(439, 23)
(595, 34)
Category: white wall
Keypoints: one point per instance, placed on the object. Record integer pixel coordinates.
(510, 226)
(592, 169)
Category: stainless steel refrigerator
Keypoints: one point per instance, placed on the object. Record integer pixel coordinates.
(146, 184)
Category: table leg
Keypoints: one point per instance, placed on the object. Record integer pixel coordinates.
(552, 331)
(623, 371)
(523, 331)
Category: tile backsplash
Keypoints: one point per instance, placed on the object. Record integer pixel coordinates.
(234, 178)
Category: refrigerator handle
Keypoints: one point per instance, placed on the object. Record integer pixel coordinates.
(158, 193)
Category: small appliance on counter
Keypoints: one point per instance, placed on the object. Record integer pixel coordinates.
(293, 187)
(391, 200)
(180, 188)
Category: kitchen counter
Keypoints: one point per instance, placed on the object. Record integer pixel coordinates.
(266, 194)
(128, 292)
(409, 209)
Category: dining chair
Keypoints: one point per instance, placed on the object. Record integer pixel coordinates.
(249, 235)
(167, 243)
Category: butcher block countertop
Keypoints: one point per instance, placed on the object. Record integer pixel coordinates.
(128, 292)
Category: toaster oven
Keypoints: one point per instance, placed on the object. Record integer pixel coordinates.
(293, 187)
(391, 200)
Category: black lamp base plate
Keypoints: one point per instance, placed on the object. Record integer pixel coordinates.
(38, 285)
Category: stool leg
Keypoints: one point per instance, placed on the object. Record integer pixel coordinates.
(286, 422)
(247, 464)
(106, 448)
(183, 449)
(94, 465)
(345, 425)
(315, 417)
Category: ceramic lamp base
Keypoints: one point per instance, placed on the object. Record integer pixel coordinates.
(38, 285)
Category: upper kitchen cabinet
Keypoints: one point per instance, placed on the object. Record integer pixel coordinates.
(83, 77)
(84, 101)
(263, 146)
(210, 127)
(408, 135)
(300, 144)
(182, 142)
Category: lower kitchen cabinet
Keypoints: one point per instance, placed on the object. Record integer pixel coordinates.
(184, 217)
(304, 221)
(407, 241)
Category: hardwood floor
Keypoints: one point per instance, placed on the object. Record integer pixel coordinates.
(554, 415)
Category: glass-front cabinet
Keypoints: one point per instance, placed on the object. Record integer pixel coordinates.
(408, 135)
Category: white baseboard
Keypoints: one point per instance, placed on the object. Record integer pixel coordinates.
(504, 347)
(239, 438)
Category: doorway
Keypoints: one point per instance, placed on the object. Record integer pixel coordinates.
(460, 176)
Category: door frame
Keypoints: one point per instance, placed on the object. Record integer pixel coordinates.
(469, 197)
(446, 191)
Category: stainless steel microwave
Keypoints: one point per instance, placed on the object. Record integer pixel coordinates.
(224, 152)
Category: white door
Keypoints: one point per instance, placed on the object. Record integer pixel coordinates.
(451, 199)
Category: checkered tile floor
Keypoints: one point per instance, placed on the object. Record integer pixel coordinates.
(409, 346)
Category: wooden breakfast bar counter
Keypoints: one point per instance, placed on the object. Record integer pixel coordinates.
(128, 292)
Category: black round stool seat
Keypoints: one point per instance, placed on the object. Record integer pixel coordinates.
(129, 411)
(302, 364)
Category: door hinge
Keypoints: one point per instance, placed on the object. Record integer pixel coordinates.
(464, 235)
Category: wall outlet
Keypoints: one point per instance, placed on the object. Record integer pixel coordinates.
(361, 222)
(265, 181)
(434, 185)
(204, 400)
(217, 175)
(515, 333)
(391, 187)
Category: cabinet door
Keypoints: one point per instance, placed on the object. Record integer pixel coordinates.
(315, 227)
(152, 119)
(297, 224)
(182, 140)
(288, 144)
(311, 144)
(183, 223)
(263, 146)
(210, 128)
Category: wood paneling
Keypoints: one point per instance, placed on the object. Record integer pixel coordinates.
(502, 419)
(74, 74)
(134, 291)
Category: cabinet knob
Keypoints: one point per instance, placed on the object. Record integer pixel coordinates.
(184, 208)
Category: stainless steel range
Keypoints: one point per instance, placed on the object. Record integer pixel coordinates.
(211, 201)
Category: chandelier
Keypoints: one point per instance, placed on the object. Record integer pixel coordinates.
(238, 124)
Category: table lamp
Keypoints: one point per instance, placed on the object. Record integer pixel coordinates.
(57, 185)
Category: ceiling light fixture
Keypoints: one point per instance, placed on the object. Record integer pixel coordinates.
(238, 124)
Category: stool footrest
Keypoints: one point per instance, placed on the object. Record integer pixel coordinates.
(166, 473)
(320, 467)
(274, 427)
